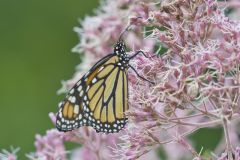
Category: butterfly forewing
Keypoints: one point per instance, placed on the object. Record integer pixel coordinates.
(104, 101)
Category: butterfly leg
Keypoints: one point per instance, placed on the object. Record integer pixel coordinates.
(140, 75)
(138, 52)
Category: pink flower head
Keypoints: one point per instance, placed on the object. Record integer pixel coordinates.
(9, 155)
(50, 146)
(192, 56)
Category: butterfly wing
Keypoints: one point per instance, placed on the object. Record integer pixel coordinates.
(106, 98)
(70, 114)
(99, 99)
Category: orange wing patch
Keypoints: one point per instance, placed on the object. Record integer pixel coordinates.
(112, 60)
(92, 75)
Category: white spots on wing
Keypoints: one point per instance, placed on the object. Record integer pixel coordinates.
(81, 93)
(90, 118)
(58, 122)
(87, 88)
(79, 88)
(79, 82)
(94, 80)
(76, 109)
(80, 116)
(84, 106)
(72, 99)
(71, 91)
(101, 69)
(60, 114)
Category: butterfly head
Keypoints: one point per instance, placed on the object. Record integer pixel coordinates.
(120, 48)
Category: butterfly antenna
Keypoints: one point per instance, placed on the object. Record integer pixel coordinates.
(125, 30)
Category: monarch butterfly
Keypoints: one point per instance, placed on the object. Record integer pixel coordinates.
(100, 98)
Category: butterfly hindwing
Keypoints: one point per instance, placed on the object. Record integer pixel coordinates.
(70, 114)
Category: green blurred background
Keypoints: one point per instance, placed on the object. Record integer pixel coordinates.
(36, 38)
(35, 42)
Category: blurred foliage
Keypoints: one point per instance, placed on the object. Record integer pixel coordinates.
(206, 140)
(36, 38)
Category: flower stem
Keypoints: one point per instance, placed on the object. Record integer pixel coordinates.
(228, 143)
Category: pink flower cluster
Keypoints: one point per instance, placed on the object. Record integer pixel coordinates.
(196, 74)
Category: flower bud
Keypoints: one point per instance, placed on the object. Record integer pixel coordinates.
(192, 89)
